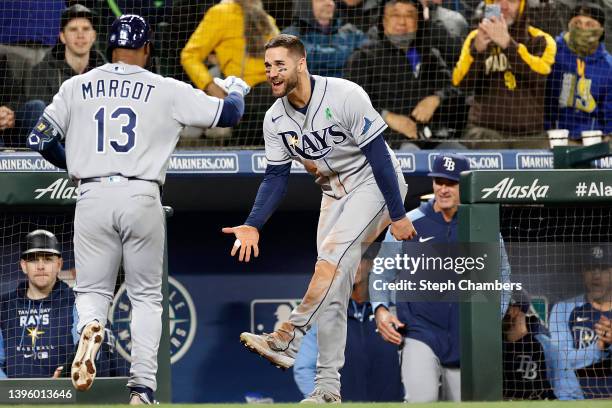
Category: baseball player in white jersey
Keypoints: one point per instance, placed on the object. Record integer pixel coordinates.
(120, 124)
(330, 125)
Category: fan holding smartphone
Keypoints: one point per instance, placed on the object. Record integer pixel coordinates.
(505, 61)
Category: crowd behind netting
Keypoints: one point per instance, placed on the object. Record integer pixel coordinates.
(443, 73)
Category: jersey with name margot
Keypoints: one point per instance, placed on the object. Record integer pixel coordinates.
(121, 119)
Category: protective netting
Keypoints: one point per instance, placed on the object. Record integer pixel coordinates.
(553, 342)
(37, 312)
(432, 78)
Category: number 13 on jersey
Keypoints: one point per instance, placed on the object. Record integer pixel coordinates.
(127, 136)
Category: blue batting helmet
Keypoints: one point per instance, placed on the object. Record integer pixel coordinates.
(128, 31)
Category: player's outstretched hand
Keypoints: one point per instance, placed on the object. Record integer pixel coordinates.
(402, 229)
(247, 239)
(233, 84)
(387, 325)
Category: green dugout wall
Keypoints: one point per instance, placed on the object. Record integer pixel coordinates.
(482, 194)
(39, 192)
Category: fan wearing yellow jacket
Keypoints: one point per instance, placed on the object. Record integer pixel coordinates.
(235, 31)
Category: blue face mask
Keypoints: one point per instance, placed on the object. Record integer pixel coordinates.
(402, 41)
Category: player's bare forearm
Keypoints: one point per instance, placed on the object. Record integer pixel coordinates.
(247, 240)
(402, 229)
(387, 325)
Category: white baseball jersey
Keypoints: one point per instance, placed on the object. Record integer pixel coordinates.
(121, 119)
(340, 120)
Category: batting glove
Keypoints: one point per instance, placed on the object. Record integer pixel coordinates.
(233, 84)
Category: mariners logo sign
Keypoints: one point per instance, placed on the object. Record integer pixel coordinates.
(182, 320)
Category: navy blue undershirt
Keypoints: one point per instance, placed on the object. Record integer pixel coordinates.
(305, 108)
(232, 111)
(386, 178)
(271, 192)
(55, 154)
(274, 185)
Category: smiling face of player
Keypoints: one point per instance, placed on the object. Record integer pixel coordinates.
(42, 269)
(78, 36)
(598, 282)
(283, 69)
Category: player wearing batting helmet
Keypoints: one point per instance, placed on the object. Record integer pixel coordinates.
(134, 118)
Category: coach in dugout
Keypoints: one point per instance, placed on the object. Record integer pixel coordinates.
(37, 320)
(428, 332)
(578, 352)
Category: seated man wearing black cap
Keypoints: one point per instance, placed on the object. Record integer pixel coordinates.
(37, 320)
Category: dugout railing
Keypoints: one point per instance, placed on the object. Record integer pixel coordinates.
(483, 194)
(54, 193)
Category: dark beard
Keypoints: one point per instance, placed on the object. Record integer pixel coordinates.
(290, 85)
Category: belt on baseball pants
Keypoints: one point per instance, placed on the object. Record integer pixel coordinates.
(100, 179)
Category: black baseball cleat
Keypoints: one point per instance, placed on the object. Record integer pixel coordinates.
(142, 396)
(83, 370)
(266, 346)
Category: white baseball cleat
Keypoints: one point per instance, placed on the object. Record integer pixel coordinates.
(142, 396)
(265, 345)
(83, 370)
(319, 396)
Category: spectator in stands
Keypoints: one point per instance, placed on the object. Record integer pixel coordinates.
(578, 350)
(409, 83)
(7, 108)
(448, 29)
(363, 14)
(579, 91)
(27, 30)
(235, 31)
(74, 54)
(564, 10)
(525, 376)
(505, 62)
(38, 320)
(10, 116)
(328, 41)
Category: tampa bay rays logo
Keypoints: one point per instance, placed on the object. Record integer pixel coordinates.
(313, 145)
(584, 336)
(183, 321)
(449, 163)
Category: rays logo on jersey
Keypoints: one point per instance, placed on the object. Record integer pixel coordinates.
(584, 336)
(183, 321)
(268, 314)
(314, 144)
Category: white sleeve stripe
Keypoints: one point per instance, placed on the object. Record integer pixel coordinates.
(376, 133)
(217, 113)
(278, 162)
(57, 127)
